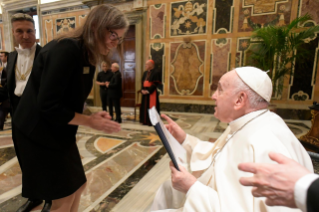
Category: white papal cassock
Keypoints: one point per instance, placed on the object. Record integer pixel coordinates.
(218, 188)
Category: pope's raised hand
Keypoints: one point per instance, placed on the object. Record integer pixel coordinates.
(102, 121)
(177, 132)
(181, 180)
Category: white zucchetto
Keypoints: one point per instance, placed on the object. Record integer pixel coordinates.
(257, 80)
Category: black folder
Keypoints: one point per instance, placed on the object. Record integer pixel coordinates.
(165, 142)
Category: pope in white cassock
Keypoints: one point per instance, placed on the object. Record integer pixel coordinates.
(242, 98)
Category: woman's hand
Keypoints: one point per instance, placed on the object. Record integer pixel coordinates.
(102, 121)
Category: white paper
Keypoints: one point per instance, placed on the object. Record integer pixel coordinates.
(178, 150)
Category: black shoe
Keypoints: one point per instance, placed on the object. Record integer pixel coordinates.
(29, 205)
(47, 206)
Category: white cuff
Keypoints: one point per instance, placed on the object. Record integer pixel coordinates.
(301, 188)
(193, 187)
(184, 143)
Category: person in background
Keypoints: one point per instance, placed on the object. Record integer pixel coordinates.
(102, 78)
(150, 81)
(4, 99)
(4, 58)
(284, 184)
(50, 110)
(115, 92)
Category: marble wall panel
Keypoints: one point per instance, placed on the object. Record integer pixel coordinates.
(82, 19)
(243, 45)
(157, 53)
(254, 14)
(188, 18)
(223, 16)
(54, 24)
(157, 21)
(64, 25)
(302, 82)
(310, 7)
(48, 27)
(220, 60)
(187, 68)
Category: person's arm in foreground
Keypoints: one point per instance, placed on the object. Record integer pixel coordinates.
(276, 182)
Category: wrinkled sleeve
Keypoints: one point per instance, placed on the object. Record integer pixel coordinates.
(189, 144)
(201, 198)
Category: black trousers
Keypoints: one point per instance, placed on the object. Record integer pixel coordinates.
(116, 103)
(3, 114)
(103, 95)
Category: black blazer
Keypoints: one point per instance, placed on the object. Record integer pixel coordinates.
(115, 86)
(11, 81)
(58, 86)
(313, 197)
(4, 98)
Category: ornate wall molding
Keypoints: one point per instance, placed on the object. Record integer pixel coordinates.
(62, 6)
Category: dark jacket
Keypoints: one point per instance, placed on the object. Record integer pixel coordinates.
(313, 197)
(115, 86)
(11, 81)
(58, 86)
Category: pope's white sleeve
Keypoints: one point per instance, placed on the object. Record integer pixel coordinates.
(201, 198)
(189, 144)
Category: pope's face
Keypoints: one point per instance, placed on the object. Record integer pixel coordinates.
(225, 98)
(24, 33)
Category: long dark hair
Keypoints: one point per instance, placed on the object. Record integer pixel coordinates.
(101, 17)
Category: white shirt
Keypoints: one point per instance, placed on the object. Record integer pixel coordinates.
(301, 188)
(24, 62)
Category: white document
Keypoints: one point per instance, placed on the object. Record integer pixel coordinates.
(178, 150)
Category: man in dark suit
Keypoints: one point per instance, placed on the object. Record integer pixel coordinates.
(115, 92)
(4, 58)
(284, 184)
(19, 68)
(102, 78)
(4, 99)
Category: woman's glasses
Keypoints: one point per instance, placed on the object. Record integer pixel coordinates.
(114, 37)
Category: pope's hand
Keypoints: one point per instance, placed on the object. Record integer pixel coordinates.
(181, 180)
(177, 132)
(102, 121)
(274, 181)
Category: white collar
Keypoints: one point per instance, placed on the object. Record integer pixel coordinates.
(26, 52)
(238, 123)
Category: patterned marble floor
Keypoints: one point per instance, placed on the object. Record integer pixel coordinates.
(114, 163)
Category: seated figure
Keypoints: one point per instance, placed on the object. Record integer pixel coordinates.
(212, 182)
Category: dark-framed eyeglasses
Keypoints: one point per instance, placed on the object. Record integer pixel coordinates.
(114, 37)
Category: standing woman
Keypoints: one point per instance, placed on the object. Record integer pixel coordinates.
(50, 111)
(150, 81)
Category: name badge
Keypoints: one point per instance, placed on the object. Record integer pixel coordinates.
(86, 70)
